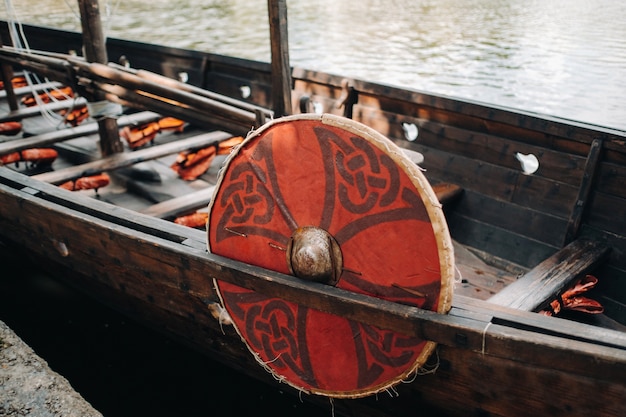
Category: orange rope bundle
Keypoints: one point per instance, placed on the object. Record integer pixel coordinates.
(191, 164)
(17, 82)
(87, 183)
(573, 300)
(38, 156)
(59, 94)
(75, 116)
(140, 135)
(10, 128)
(196, 220)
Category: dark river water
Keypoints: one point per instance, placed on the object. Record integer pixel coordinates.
(560, 57)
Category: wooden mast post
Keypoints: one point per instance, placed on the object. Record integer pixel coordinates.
(6, 71)
(95, 51)
(281, 70)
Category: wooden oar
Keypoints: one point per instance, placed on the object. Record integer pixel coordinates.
(168, 94)
(169, 82)
(145, 91)
(129, 98)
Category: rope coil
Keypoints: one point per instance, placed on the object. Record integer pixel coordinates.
(104, 109)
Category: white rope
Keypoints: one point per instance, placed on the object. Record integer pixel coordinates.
(74, 12)
(20, 42)
(109, 12)
(104, 109)
(485, 337)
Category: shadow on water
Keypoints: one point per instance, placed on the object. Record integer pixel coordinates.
(121, 368)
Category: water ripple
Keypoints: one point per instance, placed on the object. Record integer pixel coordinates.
(561, 57)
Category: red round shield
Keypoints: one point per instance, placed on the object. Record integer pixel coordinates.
(388, 239)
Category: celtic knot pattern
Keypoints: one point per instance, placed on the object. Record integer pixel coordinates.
(380, 349)
(366, 179)
(246, 200)
(274, 327)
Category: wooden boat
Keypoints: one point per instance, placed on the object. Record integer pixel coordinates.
(522, 236)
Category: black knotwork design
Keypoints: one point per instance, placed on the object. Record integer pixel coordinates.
(272, 327)
(374, 351)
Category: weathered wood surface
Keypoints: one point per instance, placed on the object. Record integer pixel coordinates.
(482, 344)
(549, 279)
(582, 200)
(114, 239)
(95, 50)
(183, 204)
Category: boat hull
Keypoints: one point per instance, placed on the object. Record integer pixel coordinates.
(161, 274)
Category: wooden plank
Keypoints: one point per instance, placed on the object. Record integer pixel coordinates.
(498, 242)
(530, 320)
(186, 203)
(530, 222)
(133, 254)
(606, 212)
(582, 200)
(469, 384)
(497, 150)
(84, 129)
(496, 120)
(611, 179)
(542, 194)
(549, 279)
(469, 173)
(129, 158)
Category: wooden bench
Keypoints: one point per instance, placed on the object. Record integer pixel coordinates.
(545, 282)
